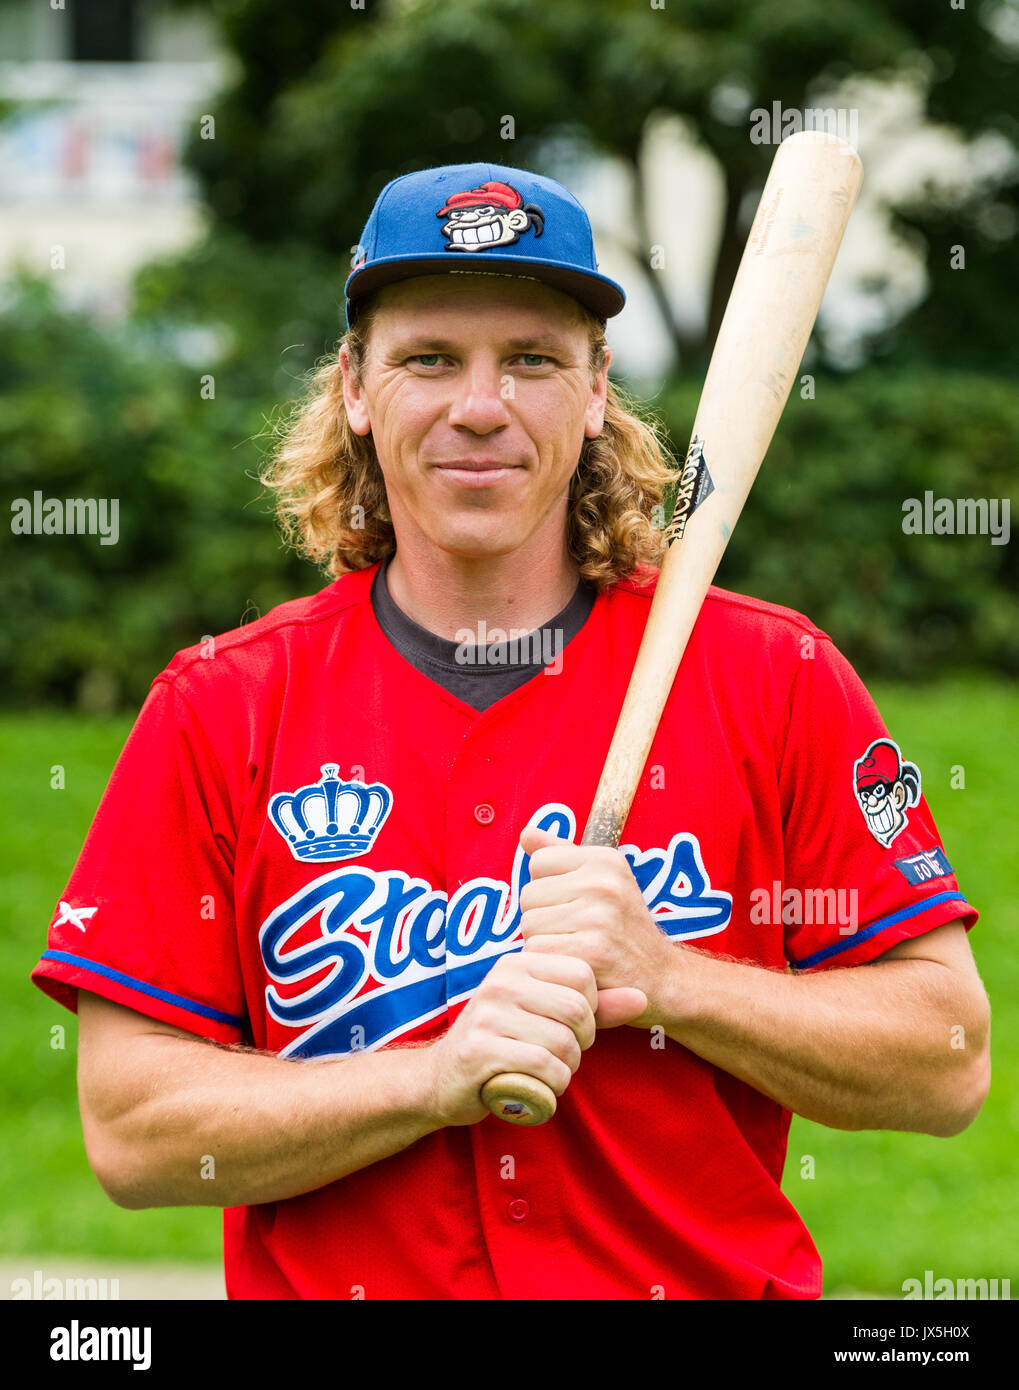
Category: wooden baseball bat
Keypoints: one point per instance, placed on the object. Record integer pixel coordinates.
(774, 301)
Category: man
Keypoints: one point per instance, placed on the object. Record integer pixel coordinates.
(332, 830)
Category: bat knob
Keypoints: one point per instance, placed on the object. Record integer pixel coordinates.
(519, 1099)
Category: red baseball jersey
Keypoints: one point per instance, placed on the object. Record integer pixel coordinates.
(310, 847)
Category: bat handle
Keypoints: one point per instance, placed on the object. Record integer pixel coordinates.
(519, 1099)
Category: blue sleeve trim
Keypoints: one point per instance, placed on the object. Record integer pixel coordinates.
(902, 916)
(118, 978)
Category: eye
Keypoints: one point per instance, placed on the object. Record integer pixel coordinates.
(536, 359)
(427, 359)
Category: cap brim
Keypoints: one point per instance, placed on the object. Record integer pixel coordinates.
(596, 292)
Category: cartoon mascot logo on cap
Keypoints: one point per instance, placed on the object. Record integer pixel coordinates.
(885, 787)
(492, 215)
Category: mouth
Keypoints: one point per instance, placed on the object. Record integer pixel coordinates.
(478, 472)
(482, 233)
(883, 820)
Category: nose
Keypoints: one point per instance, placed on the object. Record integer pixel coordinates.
(478, 403)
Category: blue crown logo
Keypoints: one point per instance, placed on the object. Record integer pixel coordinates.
(331, 819)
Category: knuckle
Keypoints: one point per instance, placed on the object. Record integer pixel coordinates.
(566, 1047)
(536, 860)
(583, 972)
(559, 1076)
(502, 968)
(486, 1015)
(471, 1059)
(610, 886)
(604, 862)
(488, 993)
(577, 1010)
(593, 914)
(595, 952)
(502, 988)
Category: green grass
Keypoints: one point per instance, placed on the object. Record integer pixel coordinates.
(52, 1203)
(882, 1207)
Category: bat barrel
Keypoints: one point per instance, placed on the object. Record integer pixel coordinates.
(775, 298)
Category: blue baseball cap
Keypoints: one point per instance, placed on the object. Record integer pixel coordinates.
(486, 218)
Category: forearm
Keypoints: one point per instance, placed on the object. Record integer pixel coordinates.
(869, 1047)
(208, 1126)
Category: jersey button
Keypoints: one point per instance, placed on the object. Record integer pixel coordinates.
(484, 813)
(518, 1209)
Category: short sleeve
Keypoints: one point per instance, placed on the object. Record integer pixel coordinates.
(864, 865)
(147, 918)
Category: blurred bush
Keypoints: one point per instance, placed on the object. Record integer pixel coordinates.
(823, 528)
(94, 413)
(128, 414)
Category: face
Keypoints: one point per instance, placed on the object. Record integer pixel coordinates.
(883, 806)
(478, 394)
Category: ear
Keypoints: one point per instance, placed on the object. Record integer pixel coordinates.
(899, 795)
(595, 418)
(354, 400)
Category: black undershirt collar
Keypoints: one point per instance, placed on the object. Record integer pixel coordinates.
(480, 675)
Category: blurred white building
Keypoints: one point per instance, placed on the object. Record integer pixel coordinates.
(107, 93)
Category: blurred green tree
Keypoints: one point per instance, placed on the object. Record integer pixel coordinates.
(127, 416)
(331, 102)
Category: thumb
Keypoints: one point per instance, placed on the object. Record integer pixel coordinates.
(618, 1006)
(532, 838)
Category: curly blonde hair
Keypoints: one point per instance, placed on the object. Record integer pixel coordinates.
(331, 496)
